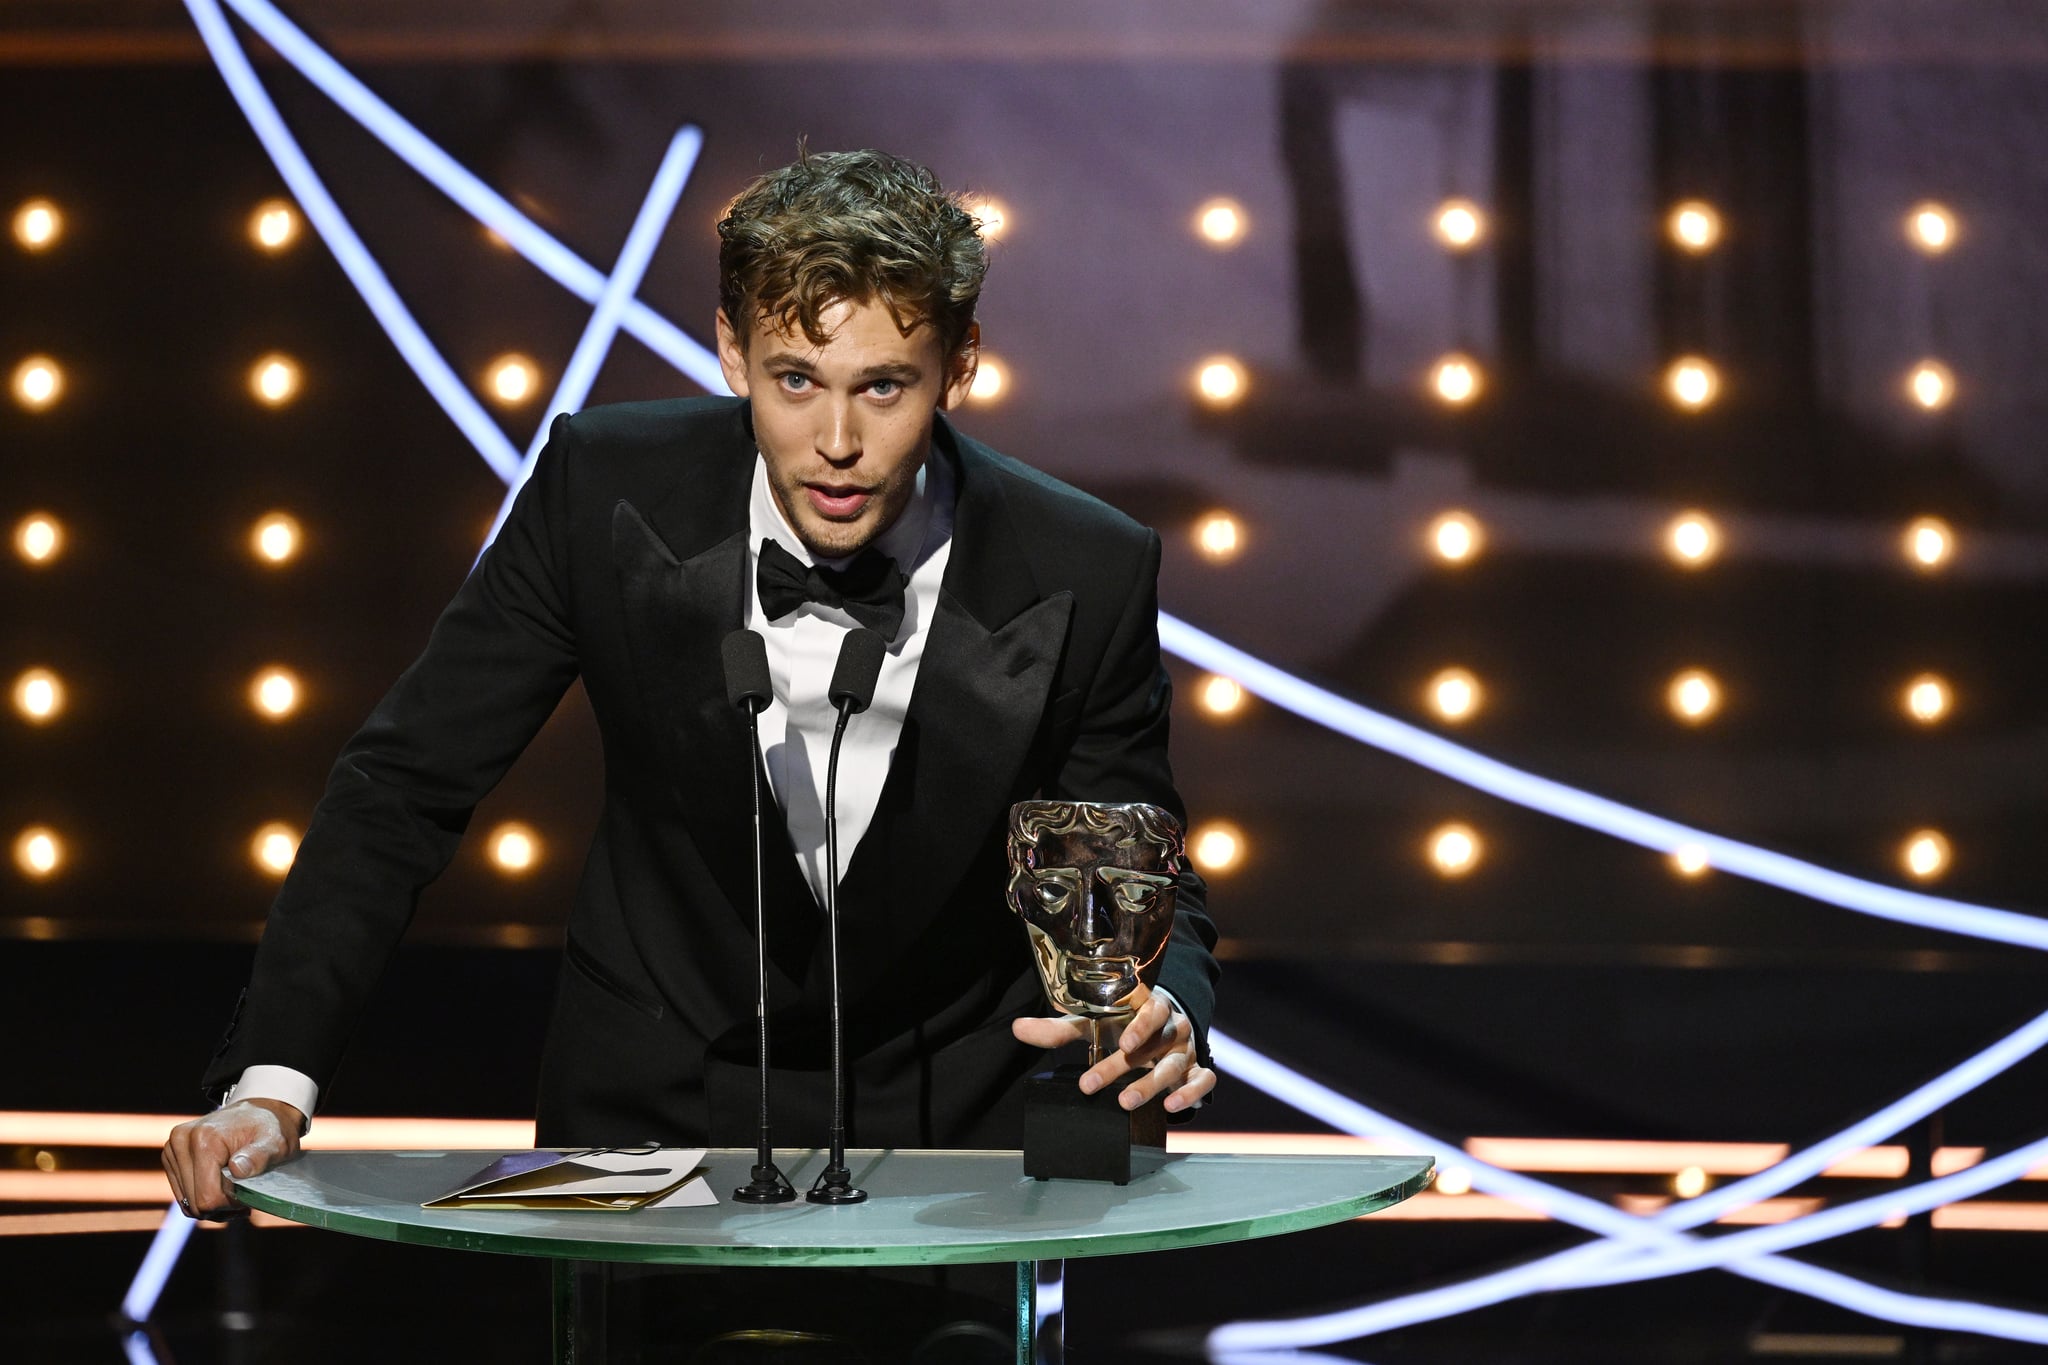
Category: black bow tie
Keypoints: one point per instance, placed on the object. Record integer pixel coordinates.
(870, 589)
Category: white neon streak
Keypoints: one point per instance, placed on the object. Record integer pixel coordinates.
(138, 1350)
(1490, 775)
(161, 1259)
(603, 327)
(483, 203)
(355, 258)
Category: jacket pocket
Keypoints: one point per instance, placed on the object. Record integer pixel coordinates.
(607, 981)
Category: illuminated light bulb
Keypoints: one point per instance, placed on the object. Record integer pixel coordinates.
(1931, 385)
(1690, 1183)
(274, 225)
(514, 848)
(1927, 698)
(1453, 1180)
(1219, 536)
(1220, 381)
(38, 225)
(1694, 696)
(1925, 855)
(275, 538)
(513, 378)
(274, 380)
(1220, 222)
(1689, 860)
(273, 847)
(1692, 383)
(1460, 224)
(1693, 539)
(1454, 694)
(38, 852)
(1454, 850)
(991, 378)
(991, 216)
(1930, 543)
(1221, 696)
(1457, 379)
(1217, 847)
(1931, 227)
(38, 696)
(1694, 226)
(275, 693)
(38, 382)
(38, 538)
(1455, 537)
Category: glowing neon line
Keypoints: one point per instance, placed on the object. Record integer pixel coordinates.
(157, 1264)
(355, 258)
(1541, 794)
(603, 327)
(137, 1348)
(483, 203)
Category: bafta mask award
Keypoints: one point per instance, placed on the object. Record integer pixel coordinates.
(1095, 885)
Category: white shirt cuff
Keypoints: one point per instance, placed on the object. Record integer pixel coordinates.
(295, 1088)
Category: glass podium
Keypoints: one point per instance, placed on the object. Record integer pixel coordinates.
(924, 1209)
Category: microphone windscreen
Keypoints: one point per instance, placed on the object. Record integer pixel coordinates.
(859, 669)
(747, 684)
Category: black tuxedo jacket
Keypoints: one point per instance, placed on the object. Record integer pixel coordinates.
(623, 561)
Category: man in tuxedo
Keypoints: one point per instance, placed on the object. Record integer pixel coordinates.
(1022, 661)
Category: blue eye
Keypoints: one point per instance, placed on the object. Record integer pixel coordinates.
(794, 382)
(885, 388)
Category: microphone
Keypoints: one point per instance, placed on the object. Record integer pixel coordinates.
(749, 688)
(852, 690)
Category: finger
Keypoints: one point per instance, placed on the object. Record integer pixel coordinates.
(1161, 1078)
(1154, 1015)
(204, 1156)
(1048, 1033)
(1199, 1082)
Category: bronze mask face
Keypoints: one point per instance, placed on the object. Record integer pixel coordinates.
(1095, 884)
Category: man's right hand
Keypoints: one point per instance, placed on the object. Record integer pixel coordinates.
(243, 1138)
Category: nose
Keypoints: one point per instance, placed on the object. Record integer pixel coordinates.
(1095, 921)
(838, 439)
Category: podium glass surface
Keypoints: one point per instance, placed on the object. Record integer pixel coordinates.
(925, 1208)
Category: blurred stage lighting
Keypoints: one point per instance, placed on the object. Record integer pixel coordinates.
(1694, 696)
(513, 379)
(1221, 696)
(38, 538)
(514, 848)
(273, 847)
(1457, 379)
(1220, 222)
(1930, 543)
(38, 852)
(1218, 536)
(39, 696)
(1689, 860)
(1925, 855)
(1455, 537)
(1690, 1182)
(991, 379)
(1452, 1181)
(1928, 698)
(1931, 385)
(1220, 381)
(1460, 224)
(274, 380)
(1694, 226)
(38, 382)
(1931, 227)
(1692, 382)
(1454, 849)
(275, 538)
(1454, 694)
(1693, 539)
(38, 225)
(991, 216)
(274, 225)
(275, 693)
(1217, 846)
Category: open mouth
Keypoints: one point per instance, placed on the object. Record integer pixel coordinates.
(837, 502)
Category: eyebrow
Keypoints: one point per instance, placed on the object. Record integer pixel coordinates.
(901, 371)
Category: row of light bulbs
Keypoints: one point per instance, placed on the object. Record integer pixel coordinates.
(1455, 849)
(273, 225)
(40, 539)
(1691, 539)
(274, 693)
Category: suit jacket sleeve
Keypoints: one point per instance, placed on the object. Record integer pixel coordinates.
(1120, 754)
(401, 793)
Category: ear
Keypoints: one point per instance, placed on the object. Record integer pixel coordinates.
(960, 368)
(731, 359)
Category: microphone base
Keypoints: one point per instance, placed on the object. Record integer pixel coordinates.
(835, 1186)
(769, 1186)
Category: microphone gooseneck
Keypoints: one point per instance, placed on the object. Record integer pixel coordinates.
(851, 692)
(749, 688)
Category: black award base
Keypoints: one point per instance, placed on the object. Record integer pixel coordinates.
(1072, 1136)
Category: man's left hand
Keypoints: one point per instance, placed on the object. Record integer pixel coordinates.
(1158, 1036)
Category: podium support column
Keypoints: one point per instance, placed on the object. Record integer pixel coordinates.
(1041, 1312)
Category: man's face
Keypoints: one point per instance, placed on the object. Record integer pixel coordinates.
(844, 427)
(1099, 907)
